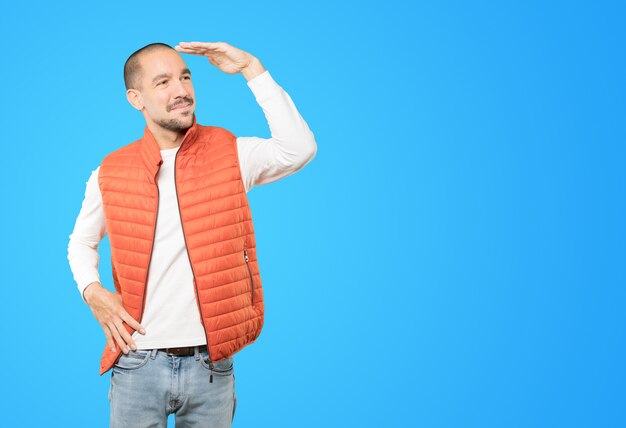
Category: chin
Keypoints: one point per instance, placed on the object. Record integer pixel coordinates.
(177, 124)
(189, 120)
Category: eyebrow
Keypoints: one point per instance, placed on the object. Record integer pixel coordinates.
(162, 75)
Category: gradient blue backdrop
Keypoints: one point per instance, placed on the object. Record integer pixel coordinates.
(453, 256)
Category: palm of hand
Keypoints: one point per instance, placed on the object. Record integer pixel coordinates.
(227, 58)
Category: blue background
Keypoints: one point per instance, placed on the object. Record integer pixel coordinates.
(454, 256)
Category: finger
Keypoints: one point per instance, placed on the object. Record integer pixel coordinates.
(192, 52)
(118, 339)
(199, 44)
(202, 52)
(217, 46)
(132, 322)
(125, 335)
(188, 46)
(196, 49)
(109, 337)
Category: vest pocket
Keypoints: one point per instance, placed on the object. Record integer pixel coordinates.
(245, 254)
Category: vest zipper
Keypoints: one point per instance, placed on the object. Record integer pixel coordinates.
(192, 272)
(245, 254)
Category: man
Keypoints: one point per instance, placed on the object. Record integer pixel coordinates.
(183, 250)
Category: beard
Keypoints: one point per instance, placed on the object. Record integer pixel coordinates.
(176, 125)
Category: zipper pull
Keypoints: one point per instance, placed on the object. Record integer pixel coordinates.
(211, 377)
(245, 253)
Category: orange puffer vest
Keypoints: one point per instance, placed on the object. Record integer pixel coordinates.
(217, 226)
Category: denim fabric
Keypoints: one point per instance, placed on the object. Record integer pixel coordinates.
(148, 385)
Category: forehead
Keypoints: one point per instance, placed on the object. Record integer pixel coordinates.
(161, 61)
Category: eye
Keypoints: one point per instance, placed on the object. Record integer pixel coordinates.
(187, 77)
(162, 82)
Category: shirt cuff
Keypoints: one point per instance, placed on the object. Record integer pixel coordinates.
(264, 87)
(84, 282)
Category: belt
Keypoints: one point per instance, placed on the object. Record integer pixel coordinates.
(187, 350)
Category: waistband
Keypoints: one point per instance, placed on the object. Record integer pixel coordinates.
(186, 350)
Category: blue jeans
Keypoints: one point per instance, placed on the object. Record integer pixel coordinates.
(147, 385)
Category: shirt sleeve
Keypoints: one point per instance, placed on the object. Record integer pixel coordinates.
(89, 229)
(292, 145)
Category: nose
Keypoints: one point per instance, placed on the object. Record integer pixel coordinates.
(180, 90)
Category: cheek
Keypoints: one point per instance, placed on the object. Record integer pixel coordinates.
(163, 100)
(191, 92)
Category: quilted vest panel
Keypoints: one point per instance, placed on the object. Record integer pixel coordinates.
(217, 226)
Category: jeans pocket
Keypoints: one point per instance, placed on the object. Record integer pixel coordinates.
(133, 360)
(224, 367)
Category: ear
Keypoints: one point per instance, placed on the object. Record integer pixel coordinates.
(135, 99)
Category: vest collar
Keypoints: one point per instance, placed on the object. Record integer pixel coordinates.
(151, 152)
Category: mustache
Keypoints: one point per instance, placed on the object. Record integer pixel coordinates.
(185, 100)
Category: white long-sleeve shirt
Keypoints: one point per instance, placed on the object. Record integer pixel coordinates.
(171, 317)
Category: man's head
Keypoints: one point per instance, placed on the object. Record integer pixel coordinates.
(158, 83)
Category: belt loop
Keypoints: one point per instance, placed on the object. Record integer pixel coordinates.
(196, 352)
(153, 353)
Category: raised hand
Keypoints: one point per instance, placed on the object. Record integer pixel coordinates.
(226, 57)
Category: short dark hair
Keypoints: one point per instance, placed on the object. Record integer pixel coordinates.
(132, 67)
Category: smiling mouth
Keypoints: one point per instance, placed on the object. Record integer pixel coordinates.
(181, 106)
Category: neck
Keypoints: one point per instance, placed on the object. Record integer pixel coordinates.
(165, 138)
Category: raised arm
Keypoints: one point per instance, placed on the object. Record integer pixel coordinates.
(292, 146)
